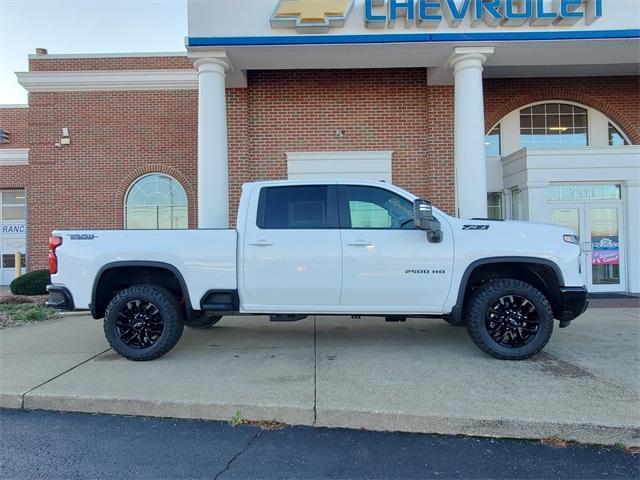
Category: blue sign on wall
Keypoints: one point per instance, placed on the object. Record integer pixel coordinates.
(430, 13)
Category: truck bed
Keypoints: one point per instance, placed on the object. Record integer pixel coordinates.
(203, 258)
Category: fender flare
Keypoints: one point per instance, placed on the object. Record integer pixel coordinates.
(456, 312)
(139, 263)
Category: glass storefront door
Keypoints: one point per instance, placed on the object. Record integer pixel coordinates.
(599, 226)
(604, 228)
(12, 232)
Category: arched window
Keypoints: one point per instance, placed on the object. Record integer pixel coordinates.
(616, 138)
(156, 201)
(554, 125)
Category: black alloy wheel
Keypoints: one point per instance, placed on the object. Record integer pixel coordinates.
(512, 321)
(139, 324)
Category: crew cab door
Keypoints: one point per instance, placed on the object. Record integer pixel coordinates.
(387, 264)
(292, 252)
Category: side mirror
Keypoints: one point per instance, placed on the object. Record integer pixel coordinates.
(425, 220)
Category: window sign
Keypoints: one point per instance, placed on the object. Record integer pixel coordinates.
(606, 250)
(20, 228)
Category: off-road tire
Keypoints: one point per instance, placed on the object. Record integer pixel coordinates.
(203, 321)
(486, 296)
(170, 312)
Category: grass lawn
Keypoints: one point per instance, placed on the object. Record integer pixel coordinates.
(15, 315)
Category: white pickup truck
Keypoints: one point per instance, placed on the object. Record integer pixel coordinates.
(324, 248)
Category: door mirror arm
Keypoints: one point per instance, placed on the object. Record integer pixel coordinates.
(424, 219)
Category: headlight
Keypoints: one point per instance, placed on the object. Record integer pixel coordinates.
(571, 239)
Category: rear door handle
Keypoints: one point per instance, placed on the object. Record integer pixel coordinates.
(361, 243)
(262, 243)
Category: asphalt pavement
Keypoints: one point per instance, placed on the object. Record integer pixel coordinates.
(52, 445)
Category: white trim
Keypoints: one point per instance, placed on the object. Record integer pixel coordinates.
(14, 105)
(340, 165)
(14, 156)
(110, 80)
(60, 56)
(341, 155)
(600, 150)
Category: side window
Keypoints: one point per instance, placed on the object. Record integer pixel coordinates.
(305, 207)
(371, 208)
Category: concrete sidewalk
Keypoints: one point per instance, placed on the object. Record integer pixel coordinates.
(420, 376)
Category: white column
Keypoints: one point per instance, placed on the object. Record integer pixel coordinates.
(469, 135)
(535, 202)
(633, 236)
(213, 161)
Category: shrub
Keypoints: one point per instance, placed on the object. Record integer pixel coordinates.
(32, 283)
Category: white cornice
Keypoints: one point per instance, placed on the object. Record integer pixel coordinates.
(108, 80)
(64, 56)
(14, 156)
(341, 155)
(14, 105)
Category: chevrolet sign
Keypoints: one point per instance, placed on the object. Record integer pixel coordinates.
(318, 16)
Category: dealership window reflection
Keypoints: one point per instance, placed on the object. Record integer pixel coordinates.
(554, 125)
(154, 202)
(495, 205)
(616, 139)
(492, 142)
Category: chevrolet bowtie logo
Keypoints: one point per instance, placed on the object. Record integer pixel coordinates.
(311, 16)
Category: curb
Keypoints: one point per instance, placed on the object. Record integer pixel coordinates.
(585, 433)
(184, 410)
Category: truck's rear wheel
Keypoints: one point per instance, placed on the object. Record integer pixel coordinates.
(510, 319)
(143, 322)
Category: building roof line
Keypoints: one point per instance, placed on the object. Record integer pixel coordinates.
(63, 56)
(500, 36)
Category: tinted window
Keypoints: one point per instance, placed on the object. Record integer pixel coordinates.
(294, 207)
(370, 207)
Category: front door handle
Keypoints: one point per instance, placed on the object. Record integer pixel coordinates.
(262, 243)
(361, 243)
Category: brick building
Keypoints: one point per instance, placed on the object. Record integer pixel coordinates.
(538, 121)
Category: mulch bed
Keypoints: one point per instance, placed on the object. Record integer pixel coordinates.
(17, 310)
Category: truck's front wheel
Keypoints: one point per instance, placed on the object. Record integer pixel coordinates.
(143, 322)
(509, 319)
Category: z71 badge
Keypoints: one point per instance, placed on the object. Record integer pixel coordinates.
(475, 227)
